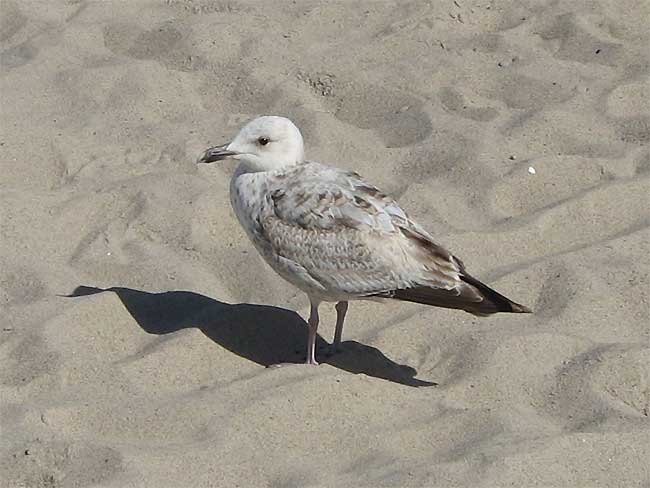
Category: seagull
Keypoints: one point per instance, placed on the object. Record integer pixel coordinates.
(336, 237)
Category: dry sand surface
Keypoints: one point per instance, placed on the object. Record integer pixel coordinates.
(154, 374)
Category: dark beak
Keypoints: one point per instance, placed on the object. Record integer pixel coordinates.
(216, 153)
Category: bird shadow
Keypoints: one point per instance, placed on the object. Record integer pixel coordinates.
(263, 334)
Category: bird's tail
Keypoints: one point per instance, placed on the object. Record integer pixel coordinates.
(500, 302)
(475, 297)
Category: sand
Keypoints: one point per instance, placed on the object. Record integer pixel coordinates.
(154, 373)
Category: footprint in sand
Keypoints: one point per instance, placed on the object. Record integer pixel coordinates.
(397, 117)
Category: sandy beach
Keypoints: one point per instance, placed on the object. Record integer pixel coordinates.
(138, 322)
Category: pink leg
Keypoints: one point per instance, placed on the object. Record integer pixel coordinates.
(311, 338)
(341, 309)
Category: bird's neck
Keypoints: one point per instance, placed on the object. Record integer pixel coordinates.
(245, 167)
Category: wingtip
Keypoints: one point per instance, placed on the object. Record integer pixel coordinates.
(517, 308)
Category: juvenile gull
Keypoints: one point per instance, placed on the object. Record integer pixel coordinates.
(336, 237)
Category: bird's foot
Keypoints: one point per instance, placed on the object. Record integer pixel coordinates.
(297, 362)
(311, 361)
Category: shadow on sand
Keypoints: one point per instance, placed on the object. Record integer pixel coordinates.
(264, 334)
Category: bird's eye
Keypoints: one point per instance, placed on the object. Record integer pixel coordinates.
(263, 141)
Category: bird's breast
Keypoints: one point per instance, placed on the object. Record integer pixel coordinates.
(249, 202)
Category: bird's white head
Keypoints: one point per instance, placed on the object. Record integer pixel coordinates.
(264, 144)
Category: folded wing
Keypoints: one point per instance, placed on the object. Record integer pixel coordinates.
(355, 240)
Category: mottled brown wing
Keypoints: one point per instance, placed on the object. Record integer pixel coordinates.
(350, 236)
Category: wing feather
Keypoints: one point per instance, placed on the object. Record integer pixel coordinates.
(350, 237)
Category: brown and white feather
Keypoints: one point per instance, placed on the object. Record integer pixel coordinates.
(336, 237)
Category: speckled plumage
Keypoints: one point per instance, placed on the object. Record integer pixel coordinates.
(336, 237)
